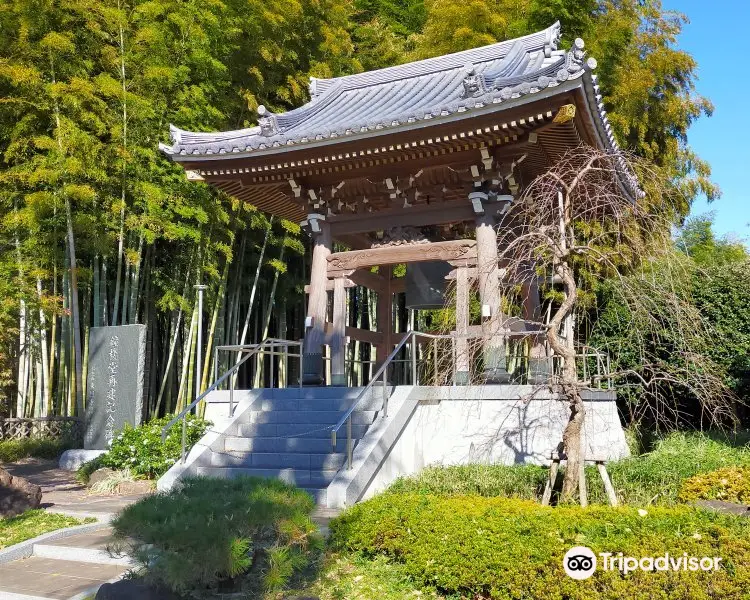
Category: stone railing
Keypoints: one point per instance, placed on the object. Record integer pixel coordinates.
(41, 427)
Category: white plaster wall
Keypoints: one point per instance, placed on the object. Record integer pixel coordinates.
(493, 426)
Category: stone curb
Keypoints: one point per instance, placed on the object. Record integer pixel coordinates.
(25, 549)
(13, 596)
(88, 592)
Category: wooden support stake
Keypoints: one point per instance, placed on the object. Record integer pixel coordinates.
(607, 482)
(582, 490)
(553, 468)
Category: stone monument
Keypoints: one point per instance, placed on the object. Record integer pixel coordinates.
(115, 382)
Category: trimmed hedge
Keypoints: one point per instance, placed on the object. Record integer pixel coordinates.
(513, 549)
(731, 484)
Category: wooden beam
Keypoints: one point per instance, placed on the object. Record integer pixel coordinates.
(355, 333)
(348, 283)
(406, 253)
(439, 213)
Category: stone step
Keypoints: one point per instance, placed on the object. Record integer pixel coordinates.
(293, 444)
(289, 430)
(313, 392)
(281, 460)
(299, 477)
(323, 417)
(371, 402)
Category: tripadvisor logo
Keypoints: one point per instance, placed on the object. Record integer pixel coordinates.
(580, 562)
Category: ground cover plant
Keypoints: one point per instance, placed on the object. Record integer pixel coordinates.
(246, 534)
(506, 548)
(654, 477)
(31, 524)
(15, 450)
(730, 484)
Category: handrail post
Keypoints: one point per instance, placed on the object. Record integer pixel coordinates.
(435, 359)
(301, 346)
(271, 355)
(349, 443)
(184, 438)
(231, 395)
(413, 359)
(216, 363)
(385, 392)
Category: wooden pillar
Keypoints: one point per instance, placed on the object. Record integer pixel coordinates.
(316, 305)
(540, 365)
(488, 279)
(338, 335)
(462, 326)
(385, 317)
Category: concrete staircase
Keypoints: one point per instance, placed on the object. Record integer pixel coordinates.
(285, 433)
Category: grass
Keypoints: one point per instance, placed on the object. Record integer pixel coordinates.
(31, 524)
(654, 477)
(15, 450)
(519, 481)
(351, 576)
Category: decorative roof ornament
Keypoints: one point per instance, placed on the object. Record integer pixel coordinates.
(267, 122)
(313, 87)
(472, 82)
(554, 35)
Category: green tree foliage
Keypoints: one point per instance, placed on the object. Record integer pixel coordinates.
(88, 205)
(709, 274)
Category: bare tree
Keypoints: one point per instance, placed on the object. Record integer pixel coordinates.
(587, 220)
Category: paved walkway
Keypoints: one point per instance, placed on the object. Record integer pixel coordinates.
(70, 567)
(75, 566)
(61, 493)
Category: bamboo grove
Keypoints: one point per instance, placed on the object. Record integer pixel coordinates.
(97, 228)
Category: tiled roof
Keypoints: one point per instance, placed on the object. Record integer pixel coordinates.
(392, 98)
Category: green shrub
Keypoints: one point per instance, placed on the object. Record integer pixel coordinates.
(84, 472)
(730, 484)
(15, 450)
(513, 549)
(141, 449)
(210, 532)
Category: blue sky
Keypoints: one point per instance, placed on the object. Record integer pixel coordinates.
(717, 37)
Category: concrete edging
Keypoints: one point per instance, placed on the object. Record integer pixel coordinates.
(25, 549)
(347, 486)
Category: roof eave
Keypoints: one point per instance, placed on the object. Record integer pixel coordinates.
(547, 93)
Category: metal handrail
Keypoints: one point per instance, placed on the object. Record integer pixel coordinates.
(347, 418)
(181, 416)
(383, 370)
